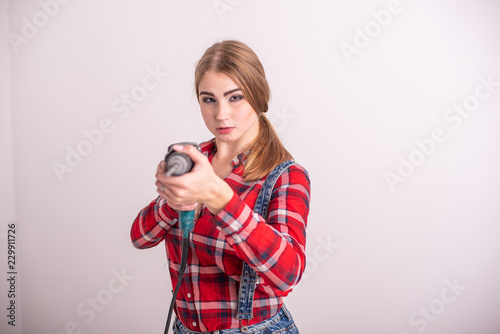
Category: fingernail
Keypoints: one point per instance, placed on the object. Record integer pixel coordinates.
(178, 147)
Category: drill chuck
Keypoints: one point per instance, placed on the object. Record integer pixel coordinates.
(178, 164)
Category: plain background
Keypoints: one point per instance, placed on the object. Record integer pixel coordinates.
(379, 256)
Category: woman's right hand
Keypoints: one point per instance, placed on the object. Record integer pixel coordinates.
(160, 185)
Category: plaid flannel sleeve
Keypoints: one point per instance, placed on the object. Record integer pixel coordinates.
(274, 247)
(152, 222)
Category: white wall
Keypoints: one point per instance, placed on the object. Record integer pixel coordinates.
(381, 258)
(8, 218)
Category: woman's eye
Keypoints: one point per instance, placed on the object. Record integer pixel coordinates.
(236, 97)
(208, 100)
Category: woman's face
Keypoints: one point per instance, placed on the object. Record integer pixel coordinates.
(225, 110)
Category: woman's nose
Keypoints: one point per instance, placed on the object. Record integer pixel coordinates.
(223, 112)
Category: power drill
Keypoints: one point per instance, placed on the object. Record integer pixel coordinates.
(179, 163)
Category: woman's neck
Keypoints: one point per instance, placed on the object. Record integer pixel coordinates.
(227, 151)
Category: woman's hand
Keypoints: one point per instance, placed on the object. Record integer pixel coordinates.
(201, 185)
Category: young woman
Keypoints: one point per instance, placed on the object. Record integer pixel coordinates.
(232, 240)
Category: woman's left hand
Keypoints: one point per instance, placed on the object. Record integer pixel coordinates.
(201, 185)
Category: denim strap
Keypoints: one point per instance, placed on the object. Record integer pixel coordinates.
(248, 278)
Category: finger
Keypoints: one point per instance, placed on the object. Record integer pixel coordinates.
(191, 151)
(160, 170)
(182, 207)
(160, 186)
(165, 190)
(160, 189)
(188, 207)
(172, 195)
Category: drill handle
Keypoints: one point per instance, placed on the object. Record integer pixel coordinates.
(186, 222)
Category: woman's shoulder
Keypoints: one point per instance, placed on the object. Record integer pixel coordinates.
(293, 183)
(294, 173)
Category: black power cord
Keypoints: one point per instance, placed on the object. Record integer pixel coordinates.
(182, 268)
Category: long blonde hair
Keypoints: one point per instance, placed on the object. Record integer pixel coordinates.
(241, 64)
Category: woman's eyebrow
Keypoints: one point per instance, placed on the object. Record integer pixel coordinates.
(225, 94)
(231, 91)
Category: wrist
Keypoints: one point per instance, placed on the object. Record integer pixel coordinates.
(220, 193)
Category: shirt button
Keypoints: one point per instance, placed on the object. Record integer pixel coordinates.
(194, 323)
(219, 228)
(189, 295)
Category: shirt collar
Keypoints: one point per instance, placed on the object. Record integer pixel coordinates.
(241, 159)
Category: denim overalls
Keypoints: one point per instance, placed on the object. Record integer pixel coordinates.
(281, 322)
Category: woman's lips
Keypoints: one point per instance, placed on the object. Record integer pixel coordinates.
(225, 130)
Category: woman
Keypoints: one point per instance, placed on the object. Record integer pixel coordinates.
(223, 187)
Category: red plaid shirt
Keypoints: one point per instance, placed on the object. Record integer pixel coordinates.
(273, 246)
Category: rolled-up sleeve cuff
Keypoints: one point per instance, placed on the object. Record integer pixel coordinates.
(164, 213)
(235, 219)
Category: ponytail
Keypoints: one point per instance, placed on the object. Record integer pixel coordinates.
(266, 153)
